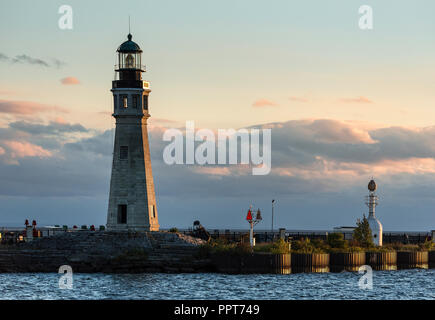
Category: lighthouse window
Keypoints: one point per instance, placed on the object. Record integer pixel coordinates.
(129, 61)
(123, 153)
(152, 211)
(145, 102)
(122, 213)
(135, 101)
(123, 101)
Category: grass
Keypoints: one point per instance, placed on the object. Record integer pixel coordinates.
(223, 247)
(426, 246)
(277, 247)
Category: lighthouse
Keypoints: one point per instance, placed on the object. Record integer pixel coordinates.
(375, 224)
(132, 200)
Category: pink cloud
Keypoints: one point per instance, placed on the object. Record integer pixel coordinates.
(298, 99)
(26, 107)
(162, 121)
(60, 120)
(214, 171)
(70, 80)
(356, 100)
(263, 103)
(18, 149)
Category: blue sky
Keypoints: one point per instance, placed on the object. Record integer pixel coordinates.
(225, 64)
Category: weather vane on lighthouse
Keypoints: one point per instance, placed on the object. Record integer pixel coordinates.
(132, 200)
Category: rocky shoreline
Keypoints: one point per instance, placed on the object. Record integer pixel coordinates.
(109, 252)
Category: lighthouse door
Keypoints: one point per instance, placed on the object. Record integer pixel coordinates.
(122, 213)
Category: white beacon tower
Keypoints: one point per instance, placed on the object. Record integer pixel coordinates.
(375, 224)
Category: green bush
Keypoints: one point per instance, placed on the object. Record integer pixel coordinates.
(223, 247)
(336, 240)
(428, 245)
(380, 249)
(398, 246)
(308, 246)
(278, 247)
(363, 234)
(173, 230)
(346, 249)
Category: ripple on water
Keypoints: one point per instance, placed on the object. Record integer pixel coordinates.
(402, 284)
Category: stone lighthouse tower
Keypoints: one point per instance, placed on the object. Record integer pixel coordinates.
(132, 201)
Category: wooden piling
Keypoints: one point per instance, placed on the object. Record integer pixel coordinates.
(348, 261)
(432, 259)
(310, 262)
(412, 259)
(382, 260)
(253, 263)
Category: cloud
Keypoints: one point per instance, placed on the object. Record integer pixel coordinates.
(263, 103)
(58, 63)
(314, 154)
(21, 149)
(298, 99)
(319, 167)
(54, 127)
(69, 81)
(23, 58)
(356, 100)
(27, 107)
(214, 171)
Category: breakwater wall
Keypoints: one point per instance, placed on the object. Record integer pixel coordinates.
(111, 252)
(320, 262)
(310, 262)
(412, 259)
(137, 252)
(252, 263)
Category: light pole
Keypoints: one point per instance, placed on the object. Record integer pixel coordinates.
(273, 202)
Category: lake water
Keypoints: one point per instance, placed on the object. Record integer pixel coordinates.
(402, 284)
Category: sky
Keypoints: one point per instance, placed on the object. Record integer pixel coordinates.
(343, 105)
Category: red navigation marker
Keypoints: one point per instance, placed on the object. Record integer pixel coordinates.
(249, 216)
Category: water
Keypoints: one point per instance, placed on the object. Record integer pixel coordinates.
(402, 284)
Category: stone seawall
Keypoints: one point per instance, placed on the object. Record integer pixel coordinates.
(111, 252)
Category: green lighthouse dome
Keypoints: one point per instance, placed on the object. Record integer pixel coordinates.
(129, 46)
